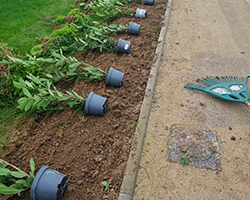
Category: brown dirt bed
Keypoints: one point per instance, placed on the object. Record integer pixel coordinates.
(91, 149)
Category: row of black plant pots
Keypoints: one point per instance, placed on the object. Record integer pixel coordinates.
(96, 104)
(50, 184)
(124, 46)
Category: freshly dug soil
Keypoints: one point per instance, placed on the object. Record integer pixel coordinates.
(92, 149)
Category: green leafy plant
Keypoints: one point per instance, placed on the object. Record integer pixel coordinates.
(14, 182)
(106, 184)
(185, 160)
(40, 95)
(91, 29)
(65, 67)
(55, 67)
(105, 10)
(96, 36)
(59, 21)
(132, 126)
(74, 11)
(212, 149)
(55, 64)
(63, 38)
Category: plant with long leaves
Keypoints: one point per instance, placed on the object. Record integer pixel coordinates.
(85, 34)
(39, 95)
(106, 10)
(90, 28)
(56, 67)
(66, 68)
(14, 182)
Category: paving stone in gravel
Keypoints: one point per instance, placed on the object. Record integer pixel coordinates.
(199, 148)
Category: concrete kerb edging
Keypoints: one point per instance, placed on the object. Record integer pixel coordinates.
(129, 180)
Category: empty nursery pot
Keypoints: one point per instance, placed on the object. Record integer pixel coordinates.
(149, 2)
(95, 104)
(134, 29)
(123, 46)
(141, 13)
(114, 78)
(48, 184)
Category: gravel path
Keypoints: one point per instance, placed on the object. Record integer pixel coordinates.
(204, 38)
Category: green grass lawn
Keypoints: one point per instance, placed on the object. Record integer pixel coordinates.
(20, 28)
(10, 119)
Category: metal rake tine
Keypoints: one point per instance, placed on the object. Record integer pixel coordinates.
(227, 78)
(210, 81)
(207, 82)
(195, 86)
(245, 80)
(221, 78)
(234, 79)
(217, 79)
(231, 78)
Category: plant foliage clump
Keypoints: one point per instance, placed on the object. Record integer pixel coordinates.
(14, 182)
(59, 21)
(54, 68)
(90, 27)
(40, 95)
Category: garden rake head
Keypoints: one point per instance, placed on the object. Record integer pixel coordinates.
(225, 87)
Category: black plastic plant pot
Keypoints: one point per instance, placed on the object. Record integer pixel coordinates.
(114, 78)
(149, 2)
(140, 13)
(48, 185)
(95, 104)
(134, 29)
(123, 46)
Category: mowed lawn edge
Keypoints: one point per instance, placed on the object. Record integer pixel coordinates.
(20, 26)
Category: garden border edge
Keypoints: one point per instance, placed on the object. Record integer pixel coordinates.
(132, 168)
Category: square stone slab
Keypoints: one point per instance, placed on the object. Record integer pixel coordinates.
(194, 147)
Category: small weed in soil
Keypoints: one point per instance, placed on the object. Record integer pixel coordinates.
(185, 160)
